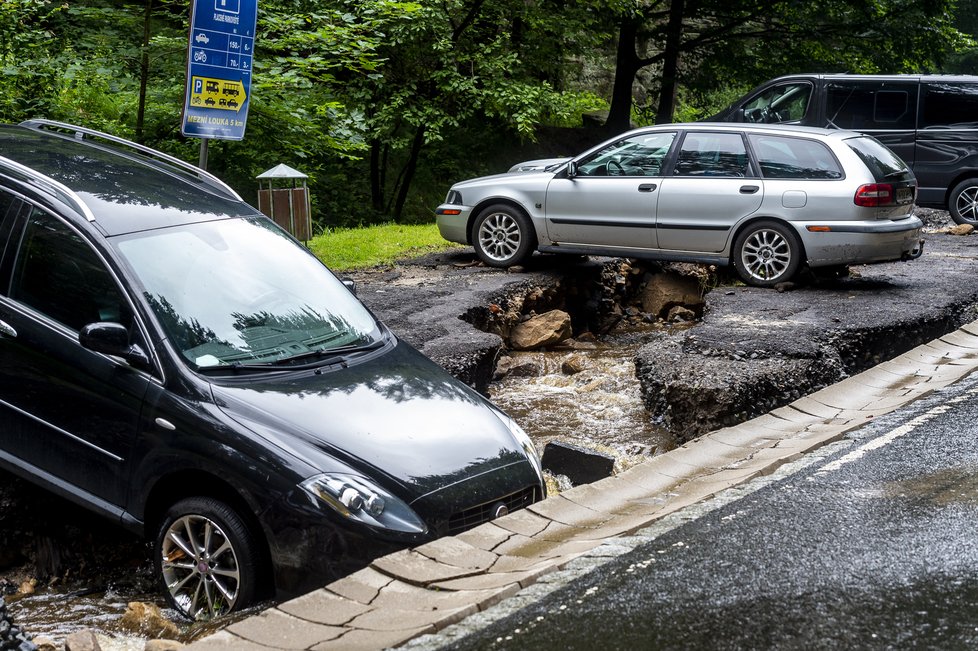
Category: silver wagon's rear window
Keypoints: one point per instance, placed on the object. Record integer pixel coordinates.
(883, 163)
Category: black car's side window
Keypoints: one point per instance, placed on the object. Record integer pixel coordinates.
(60, 275)
(870, 105)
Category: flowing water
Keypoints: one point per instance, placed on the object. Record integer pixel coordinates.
(599, 408)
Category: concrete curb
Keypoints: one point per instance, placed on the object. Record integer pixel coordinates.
(423, 590)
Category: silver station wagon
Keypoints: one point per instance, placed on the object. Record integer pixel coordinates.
(766, 199)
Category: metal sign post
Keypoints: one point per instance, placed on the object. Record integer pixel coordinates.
(219, 62)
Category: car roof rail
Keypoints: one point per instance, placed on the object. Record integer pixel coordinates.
(58, 189)
(80, 133)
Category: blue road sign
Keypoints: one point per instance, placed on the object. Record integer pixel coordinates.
(219, 62)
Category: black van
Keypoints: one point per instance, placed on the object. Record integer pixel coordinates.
(931, 121)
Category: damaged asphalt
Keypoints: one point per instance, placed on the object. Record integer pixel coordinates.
(754, 350)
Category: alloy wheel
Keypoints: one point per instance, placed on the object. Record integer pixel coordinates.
(200, 567)
(967, 204)
(766, 254)
(500, 236)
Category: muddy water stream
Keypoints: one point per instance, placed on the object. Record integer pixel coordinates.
(599, 407)
(56, 615)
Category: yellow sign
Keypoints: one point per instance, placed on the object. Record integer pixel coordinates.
(223, 94)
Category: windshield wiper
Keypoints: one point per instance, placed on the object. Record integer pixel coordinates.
(327, 355)
(896, 173)
(324, 357)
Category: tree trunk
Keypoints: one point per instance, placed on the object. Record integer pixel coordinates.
(670, 65)
(376, 177)
(409, 168)
(626, 65)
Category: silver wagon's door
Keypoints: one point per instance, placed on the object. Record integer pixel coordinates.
(712, 187)
(611, 201)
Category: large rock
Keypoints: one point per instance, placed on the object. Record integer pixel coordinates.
(83, 640)
(665, 291)
(148, 620)
(580, 465)
(542, 330)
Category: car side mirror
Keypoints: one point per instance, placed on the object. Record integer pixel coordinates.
(112, 339)
(571, 169)
(350, 284)
(738, 115)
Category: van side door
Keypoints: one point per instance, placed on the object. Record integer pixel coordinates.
(947, 142)
(884, 109)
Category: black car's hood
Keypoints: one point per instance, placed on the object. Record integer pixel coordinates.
(396, 414)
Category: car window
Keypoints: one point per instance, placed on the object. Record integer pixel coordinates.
(949, 105)
(870, 105)
(883, 163)
(784, 103)
(713, 154)
(794, 158)
(8, 210)
(240, 291)
(60, 275)
(639, 155)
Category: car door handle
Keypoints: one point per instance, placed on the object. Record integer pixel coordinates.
(7, 329)
(749, 189)
(646, 187)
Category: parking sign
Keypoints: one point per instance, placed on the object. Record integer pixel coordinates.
(219, 62)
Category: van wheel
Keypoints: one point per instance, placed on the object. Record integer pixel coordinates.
(503, 236)
(766, 253)
(207, 558)
(963, 204)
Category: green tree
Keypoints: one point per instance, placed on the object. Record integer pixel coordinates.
(750, 40)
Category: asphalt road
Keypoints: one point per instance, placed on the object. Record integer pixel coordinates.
(869, 543)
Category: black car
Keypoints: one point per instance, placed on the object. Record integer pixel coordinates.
(174, 361)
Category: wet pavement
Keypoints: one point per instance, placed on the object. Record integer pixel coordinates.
(869, 543)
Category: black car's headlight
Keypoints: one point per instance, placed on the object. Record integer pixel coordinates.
(357, 498)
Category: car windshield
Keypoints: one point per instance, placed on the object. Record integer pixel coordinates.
(239, 292)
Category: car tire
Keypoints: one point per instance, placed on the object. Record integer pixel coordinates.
(503, 236)
(767, 253)
(963, 202)
(206, 558)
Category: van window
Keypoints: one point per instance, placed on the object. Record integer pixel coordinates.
(862, 106)
(784, 103)
(794, 158)
(949, 105)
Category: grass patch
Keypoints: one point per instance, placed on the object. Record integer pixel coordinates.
(344, 249)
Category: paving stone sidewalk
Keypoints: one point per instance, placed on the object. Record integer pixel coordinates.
(422, 590)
